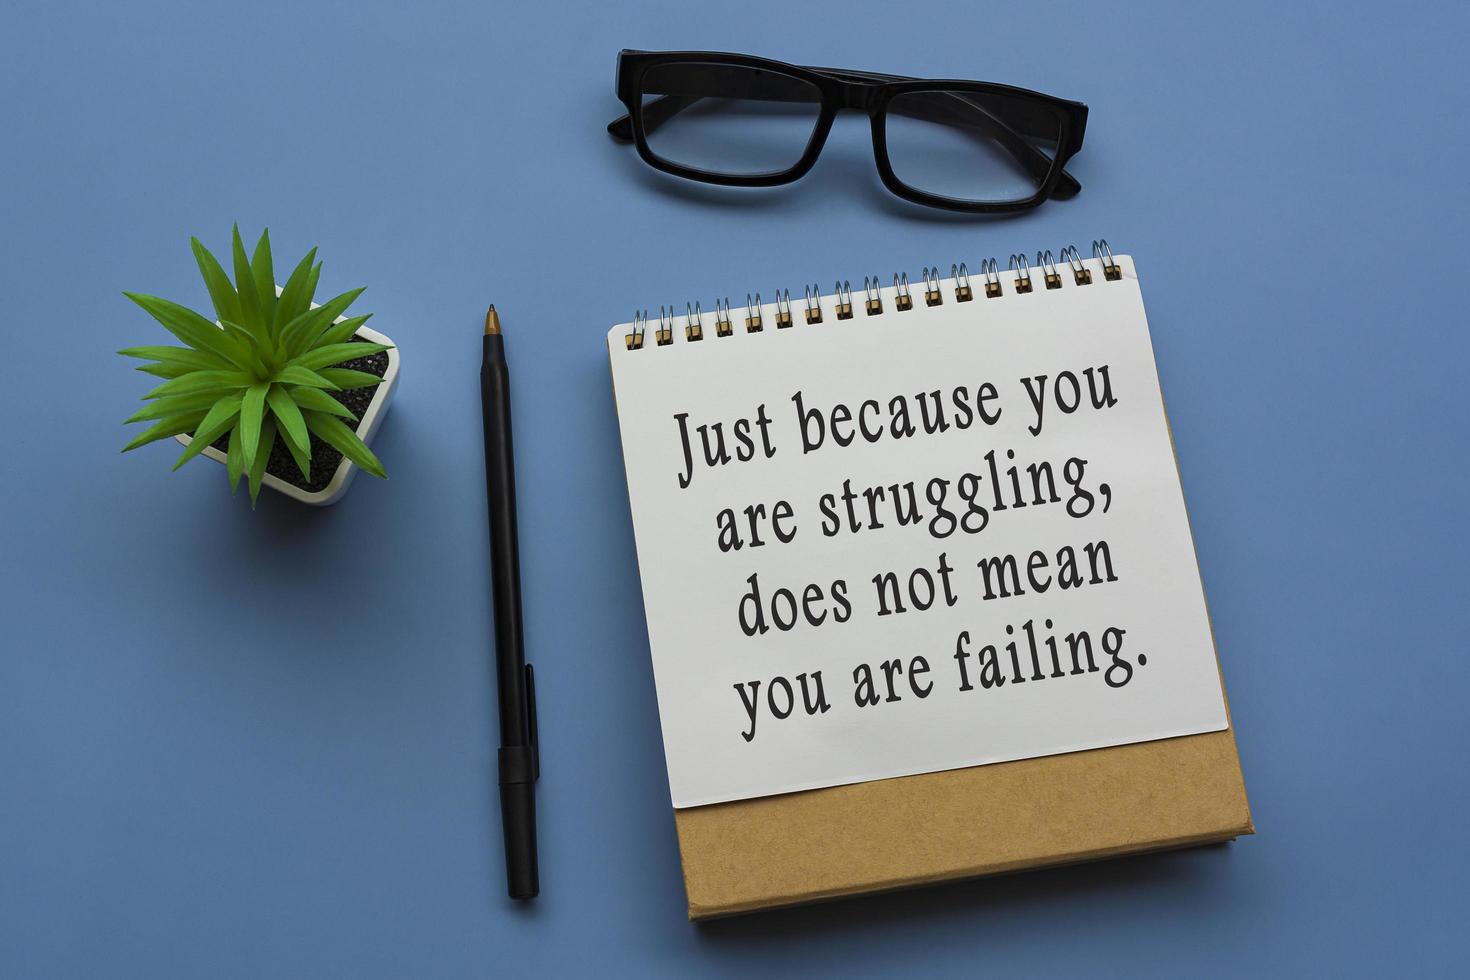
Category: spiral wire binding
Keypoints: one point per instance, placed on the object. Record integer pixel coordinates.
(961, 276)
(783, 309)
(693, 323)
(1111, 270)
(902, 299)
(813, 303)
(1049, 269)
(1080, 273)
(844, 300)
(991, 271)
(872, 297)
(1022, 269)
(1049, 264)
(931, 287)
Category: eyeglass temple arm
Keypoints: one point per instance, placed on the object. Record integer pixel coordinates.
(951, 108)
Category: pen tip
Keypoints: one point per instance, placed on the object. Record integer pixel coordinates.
(492, 320)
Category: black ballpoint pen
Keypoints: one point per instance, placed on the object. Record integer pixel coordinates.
(519, 759)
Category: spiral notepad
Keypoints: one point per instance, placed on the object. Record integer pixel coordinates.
(919, 525)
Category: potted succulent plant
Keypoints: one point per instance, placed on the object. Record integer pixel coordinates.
(284, 392)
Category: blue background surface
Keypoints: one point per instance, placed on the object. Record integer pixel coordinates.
(261, 744)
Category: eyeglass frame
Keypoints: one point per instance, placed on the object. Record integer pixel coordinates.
(868, 92)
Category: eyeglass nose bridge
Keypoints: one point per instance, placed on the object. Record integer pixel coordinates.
(862, 96)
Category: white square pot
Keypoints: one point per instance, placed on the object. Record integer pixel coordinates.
(366, 428)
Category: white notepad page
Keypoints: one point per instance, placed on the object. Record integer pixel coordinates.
(837, 691)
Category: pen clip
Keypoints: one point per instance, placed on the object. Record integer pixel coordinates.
(531, 723)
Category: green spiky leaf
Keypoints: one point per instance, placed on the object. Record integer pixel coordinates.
(171, 425)
(262, 271)
(190, 327)
(200, 381)
(234, 460)
(339, 333)
(301, 328)
(294, 299)
(221, 292)
(307, 334)
(262, 458)
(215, 423)
(187, 356)
(315, 400)
(334, 433)
(292, 426)
(245, 282)
(335, 354)
(163, 370)
(252, 408)
(312, 280)
(160, 408)
(294, 374)
(345, 378)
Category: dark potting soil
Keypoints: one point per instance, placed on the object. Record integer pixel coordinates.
(324, 458)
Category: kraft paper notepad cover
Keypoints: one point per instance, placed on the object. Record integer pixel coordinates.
(920, 586)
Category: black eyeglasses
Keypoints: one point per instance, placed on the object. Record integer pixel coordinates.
(750, 122)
